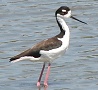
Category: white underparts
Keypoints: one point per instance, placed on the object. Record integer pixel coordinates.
(49, 56)
(55, 53)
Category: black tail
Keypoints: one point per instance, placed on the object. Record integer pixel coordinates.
(12, 59)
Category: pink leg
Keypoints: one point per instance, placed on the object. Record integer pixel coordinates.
(47, 75)
(38, 83)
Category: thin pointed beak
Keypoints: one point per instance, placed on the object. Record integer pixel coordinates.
(78, 20)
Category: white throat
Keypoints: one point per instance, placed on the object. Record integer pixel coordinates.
(62, 23)
(66, 37)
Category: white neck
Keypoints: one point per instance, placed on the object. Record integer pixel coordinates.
(63, 24)
(65, 28)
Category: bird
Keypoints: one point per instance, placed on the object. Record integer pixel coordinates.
(50, 49)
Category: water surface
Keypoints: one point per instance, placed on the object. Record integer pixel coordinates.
(26, 22)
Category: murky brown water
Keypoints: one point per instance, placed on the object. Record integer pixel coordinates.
(26, 22)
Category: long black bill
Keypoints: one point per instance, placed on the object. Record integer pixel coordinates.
(78, 20)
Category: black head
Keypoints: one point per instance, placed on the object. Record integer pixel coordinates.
(65, 12)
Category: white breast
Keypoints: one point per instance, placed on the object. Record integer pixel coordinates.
(55, 53)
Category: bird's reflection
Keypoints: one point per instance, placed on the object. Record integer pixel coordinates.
(42, 88)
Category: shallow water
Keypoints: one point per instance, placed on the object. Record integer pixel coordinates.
(26, 22)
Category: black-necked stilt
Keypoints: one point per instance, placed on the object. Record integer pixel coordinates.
(52, 48)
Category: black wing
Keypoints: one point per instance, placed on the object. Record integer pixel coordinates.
(46, 45)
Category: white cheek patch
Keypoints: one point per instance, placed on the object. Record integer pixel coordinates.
(68, 14)
(63, 10)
